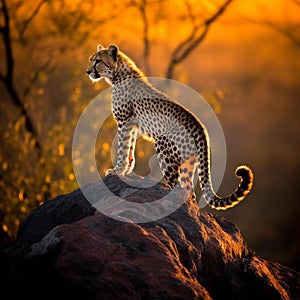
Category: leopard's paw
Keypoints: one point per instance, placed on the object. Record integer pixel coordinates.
(117, 171)
(110, 172)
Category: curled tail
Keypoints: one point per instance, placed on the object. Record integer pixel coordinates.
(243, 189)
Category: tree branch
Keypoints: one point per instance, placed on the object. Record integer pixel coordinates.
(141, 6)
(185, 47)
(5, 31)
(143, 12)
(7, 79)
(30, 18)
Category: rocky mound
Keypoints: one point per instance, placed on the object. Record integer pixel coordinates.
(68, 248)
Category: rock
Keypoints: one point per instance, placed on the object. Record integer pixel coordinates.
(67, 248)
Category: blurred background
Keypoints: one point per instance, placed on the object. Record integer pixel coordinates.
(242, 56)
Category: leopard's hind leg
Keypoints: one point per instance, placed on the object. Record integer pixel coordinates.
(187, 174)
(177, 170)
(168, 160)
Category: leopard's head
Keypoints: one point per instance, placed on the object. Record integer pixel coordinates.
(103, 63)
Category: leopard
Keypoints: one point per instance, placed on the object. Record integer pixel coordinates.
(181, 140)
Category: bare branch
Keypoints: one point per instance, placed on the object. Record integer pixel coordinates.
(287, 28)
(190, 12)
(28, 122)
(141, 6)
(7, 79)
(5, 31)
(30, 19)
(197, 35)
(146, 41)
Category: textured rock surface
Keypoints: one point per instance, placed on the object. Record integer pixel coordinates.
(67, 248)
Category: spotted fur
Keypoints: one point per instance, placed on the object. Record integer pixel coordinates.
(181, 141)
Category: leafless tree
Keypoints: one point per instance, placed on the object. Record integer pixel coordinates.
(195, 38)
(142, 6)
(7, 77)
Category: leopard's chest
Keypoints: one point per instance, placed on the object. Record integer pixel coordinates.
(126, 97)
(121, 104)
(146, 108)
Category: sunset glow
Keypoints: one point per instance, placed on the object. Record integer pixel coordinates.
(241, 56)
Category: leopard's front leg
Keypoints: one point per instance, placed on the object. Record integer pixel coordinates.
(127, 133)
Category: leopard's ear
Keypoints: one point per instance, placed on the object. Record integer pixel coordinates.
(113, 52)
(99, 48)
